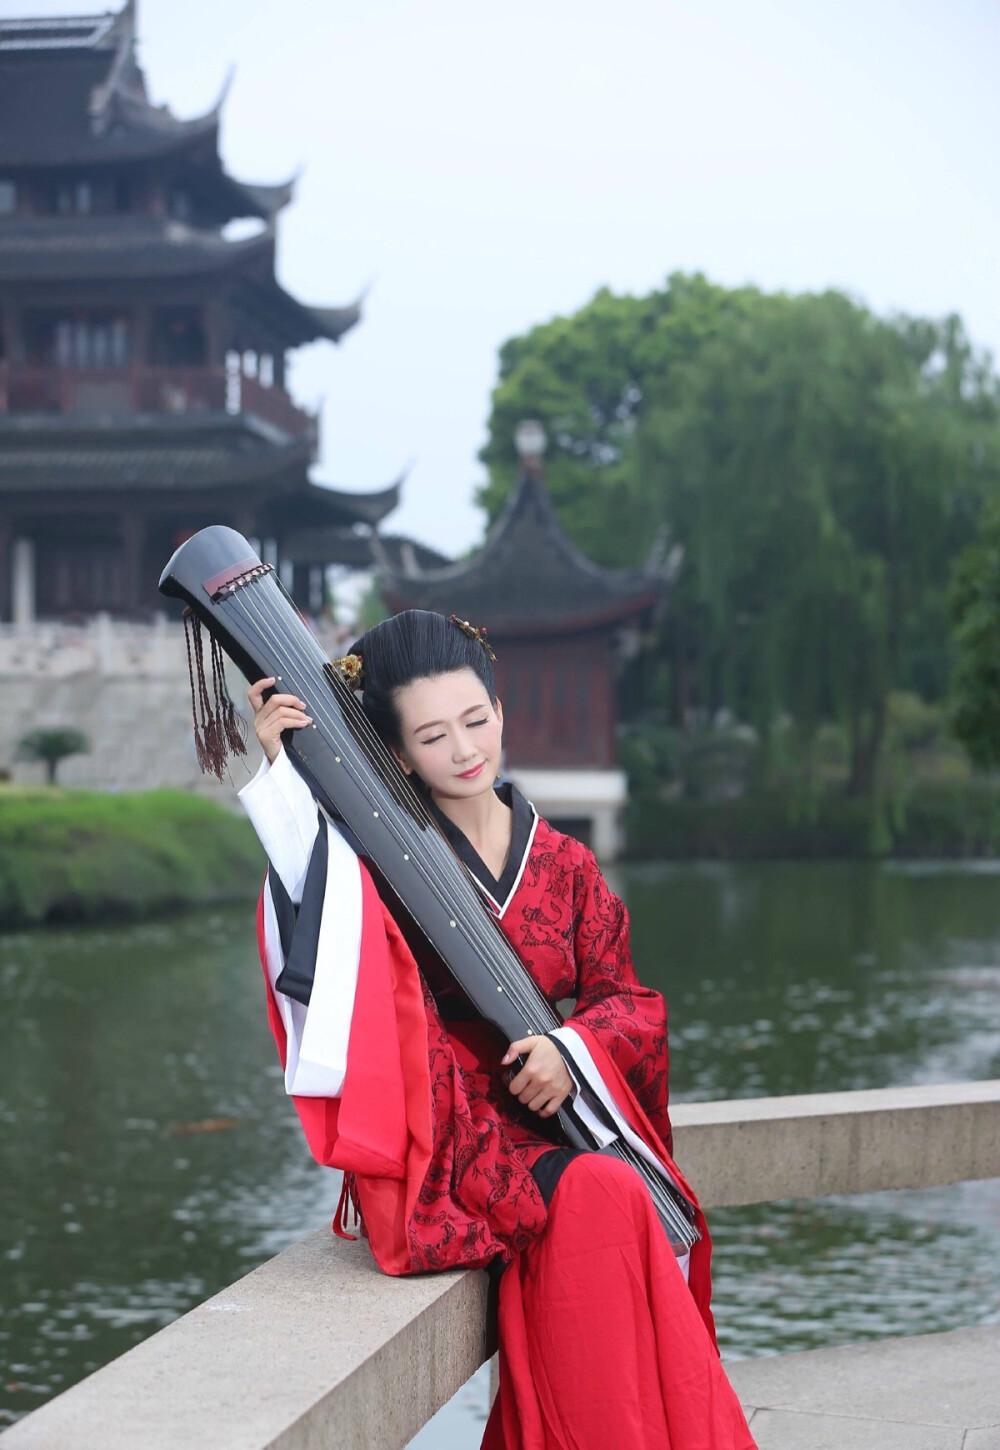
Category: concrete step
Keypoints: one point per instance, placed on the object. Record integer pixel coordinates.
(931, 1392)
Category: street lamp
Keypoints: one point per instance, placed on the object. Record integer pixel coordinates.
(530, 441)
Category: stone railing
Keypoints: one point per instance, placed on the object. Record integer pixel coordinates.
(317, 1348)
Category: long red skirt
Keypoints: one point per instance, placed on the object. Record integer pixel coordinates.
(601, 1343)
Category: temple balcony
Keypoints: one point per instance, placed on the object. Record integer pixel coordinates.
(142, 389)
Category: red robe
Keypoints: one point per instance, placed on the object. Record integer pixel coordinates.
(601, 1340)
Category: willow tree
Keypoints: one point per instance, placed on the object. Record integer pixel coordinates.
(975, 610)
(819, 465)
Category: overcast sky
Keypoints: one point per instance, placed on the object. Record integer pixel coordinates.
(487, 166)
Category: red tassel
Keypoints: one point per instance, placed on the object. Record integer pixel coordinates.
(218, 730)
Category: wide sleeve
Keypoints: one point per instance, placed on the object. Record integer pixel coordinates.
(283, 812)
(628, 1019)
(309, 923)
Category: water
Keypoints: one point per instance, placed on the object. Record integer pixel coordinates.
(148, 1155)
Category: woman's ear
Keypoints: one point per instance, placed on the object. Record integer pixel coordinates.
(402, 761)
(499, 709)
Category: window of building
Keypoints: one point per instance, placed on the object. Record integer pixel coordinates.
(178, 338)
(94, 338)
(83, 574)
(80, 196)
(8, 198)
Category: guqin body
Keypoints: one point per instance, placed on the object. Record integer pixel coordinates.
(241, 602)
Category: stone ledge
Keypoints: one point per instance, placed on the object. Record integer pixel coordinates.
(754, 1150)
(314, 1348)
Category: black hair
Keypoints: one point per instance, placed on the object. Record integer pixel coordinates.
(414, 645)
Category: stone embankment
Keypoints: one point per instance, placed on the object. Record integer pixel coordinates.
(133, 826)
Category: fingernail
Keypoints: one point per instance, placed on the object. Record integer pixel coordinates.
(309, 719)
(506, 1058)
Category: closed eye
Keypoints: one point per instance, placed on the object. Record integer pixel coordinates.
(432, 740)
(473, 724)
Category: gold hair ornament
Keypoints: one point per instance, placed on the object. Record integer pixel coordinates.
(351, 670)
(479, 635)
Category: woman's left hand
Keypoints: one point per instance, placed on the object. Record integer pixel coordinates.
(544, 1082)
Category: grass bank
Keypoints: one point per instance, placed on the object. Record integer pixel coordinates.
(75, 855)
(959, 818)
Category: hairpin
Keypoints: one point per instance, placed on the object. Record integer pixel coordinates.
(351, 670)
(479, 635)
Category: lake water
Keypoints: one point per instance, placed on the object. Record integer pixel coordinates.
(148, 1155)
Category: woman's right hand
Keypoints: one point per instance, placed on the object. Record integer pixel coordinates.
(271, 717)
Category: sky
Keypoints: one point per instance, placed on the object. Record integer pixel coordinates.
(482, 168)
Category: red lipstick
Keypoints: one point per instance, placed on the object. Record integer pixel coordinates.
(471, 774)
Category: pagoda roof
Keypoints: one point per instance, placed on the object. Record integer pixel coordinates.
(72, 92)
(299, 321)
(319, 506)
(137, 248)
(405, 554)
(147, 454)
(527, 578)
(142, 456)
(91, 248)
(356, 550)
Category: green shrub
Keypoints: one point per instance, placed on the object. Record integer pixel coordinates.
(83, 855)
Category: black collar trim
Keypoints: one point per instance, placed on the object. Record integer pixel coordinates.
(497, 892)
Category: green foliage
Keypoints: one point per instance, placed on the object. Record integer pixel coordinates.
(975, 613)
(819, 465)
(85, 855)
(51, 746)
(942, 819)
(701, 764)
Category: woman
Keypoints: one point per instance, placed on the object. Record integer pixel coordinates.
(445, 1131)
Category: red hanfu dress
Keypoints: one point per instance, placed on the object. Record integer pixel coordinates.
(605, 1340)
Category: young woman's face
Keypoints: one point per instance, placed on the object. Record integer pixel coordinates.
(450, 733)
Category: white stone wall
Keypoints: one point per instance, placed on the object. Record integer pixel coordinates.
(599, 796)
(126, 687)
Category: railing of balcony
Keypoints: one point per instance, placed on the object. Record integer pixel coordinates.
(142, 389)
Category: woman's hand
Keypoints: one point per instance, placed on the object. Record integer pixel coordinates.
(271, 717)
(544, 1082)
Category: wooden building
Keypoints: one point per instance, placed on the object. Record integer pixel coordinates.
(142, 345)
(560, 625)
